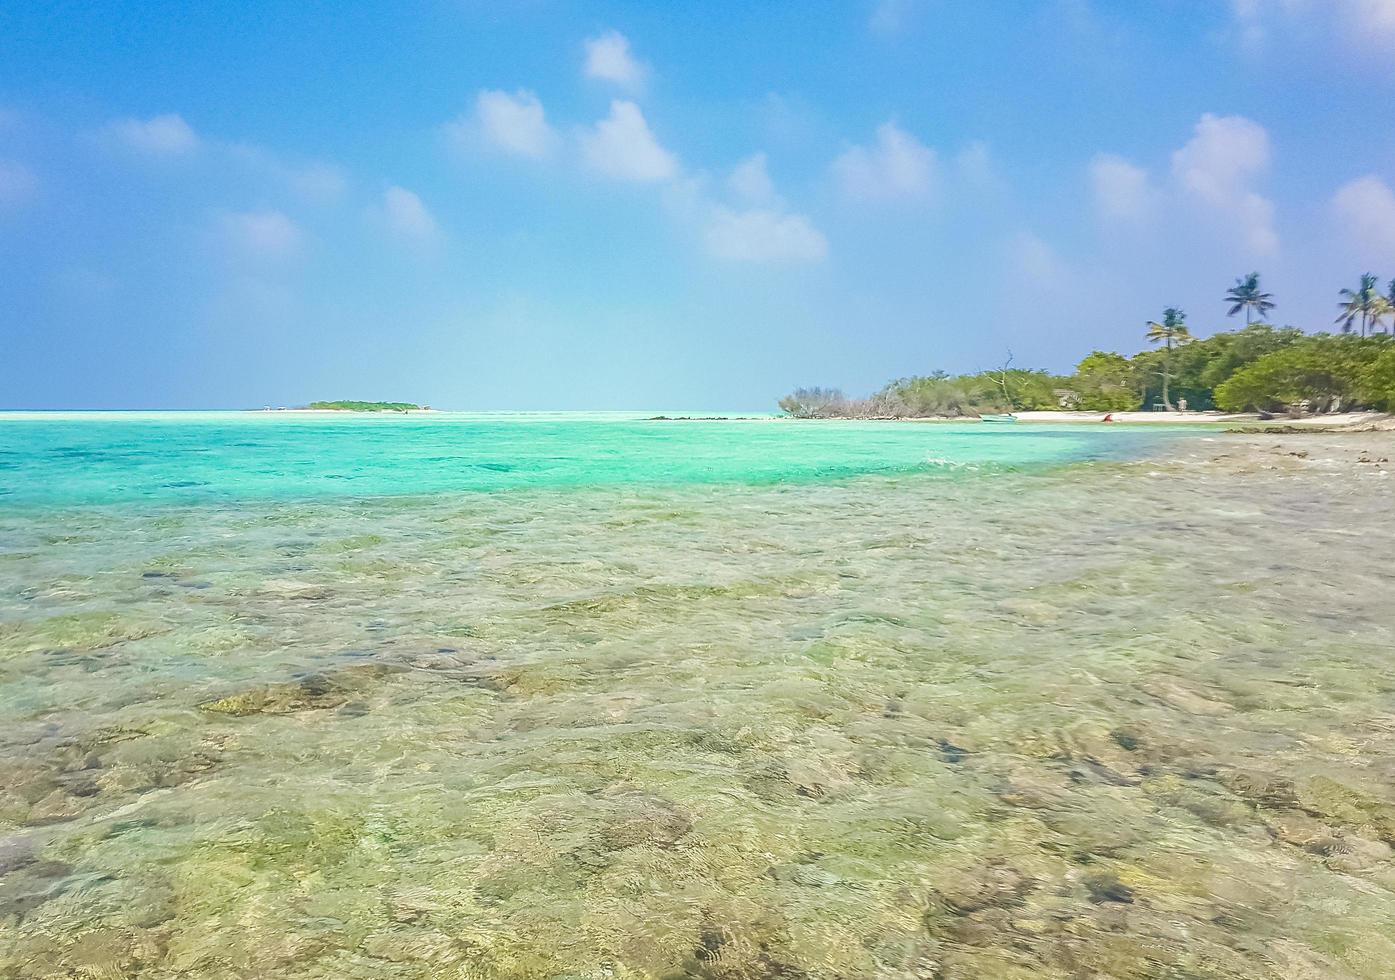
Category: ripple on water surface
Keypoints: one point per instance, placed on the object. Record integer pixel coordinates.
(93, 458)
(1113, 719)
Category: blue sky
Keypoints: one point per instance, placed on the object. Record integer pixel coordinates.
(546, 205)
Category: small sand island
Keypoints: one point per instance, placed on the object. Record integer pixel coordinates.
(402, 408)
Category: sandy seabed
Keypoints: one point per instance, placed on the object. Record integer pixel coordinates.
(1109, 719)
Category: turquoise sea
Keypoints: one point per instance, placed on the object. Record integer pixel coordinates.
(52, 459)
(561, 696)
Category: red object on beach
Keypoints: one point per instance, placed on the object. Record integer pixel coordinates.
(1108, 418)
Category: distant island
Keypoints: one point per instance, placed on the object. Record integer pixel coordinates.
(353, 406)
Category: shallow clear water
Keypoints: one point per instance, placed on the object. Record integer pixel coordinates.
(692, 699)
(188, 457)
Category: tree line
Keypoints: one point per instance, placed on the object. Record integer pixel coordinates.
(1259, 367)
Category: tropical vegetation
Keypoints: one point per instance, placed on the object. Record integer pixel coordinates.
(1364, 303)
(1246, 295)
(1171, 332)
(353, 406)
(1259, 367)
(1323, 373)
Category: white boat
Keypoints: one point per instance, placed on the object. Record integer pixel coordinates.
(997, 418)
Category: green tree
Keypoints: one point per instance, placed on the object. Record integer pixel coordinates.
(1246, 295)
(942, 395)
(1378, 380)
(1329, 373)
(1380, 308)
(1187, 365)
(935, 394)
(1171, 332)
(1359, 303)
(1106, 382)
(1229, 352)
(1030, 391)
(814, 403)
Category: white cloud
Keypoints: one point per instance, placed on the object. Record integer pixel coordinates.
(169, 137)
(1376, 17)
(17, 183)
(314, 181)
(1213, 178)
(407, 217)
(899, 166)
(764, 236)
(1365, 207)
(889, 16)
(1213, 175)
(750, 180)
(622, 146)
(159, 136)
(1217, 167)
(514, 123)
(608, 58)
(1362, 23)
(1122, 190)
(1222, 156)
(1249, 20)
(260, 234)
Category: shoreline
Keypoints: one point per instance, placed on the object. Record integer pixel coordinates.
(1337, 422)
(343, 411)
(1345, 422)
(1223, 421)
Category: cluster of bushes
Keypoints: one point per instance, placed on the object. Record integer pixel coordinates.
(1263, 368)
(1259, 367)
(972, 394)
(1323, 373)
(353, 406)
(934, 395)
(821, 403)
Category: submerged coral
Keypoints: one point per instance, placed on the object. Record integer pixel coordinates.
(1095, 721)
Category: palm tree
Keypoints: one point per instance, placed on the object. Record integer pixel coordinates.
(1360, 302)
(1380, 307)
(1172, 332)
(1246, 295)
